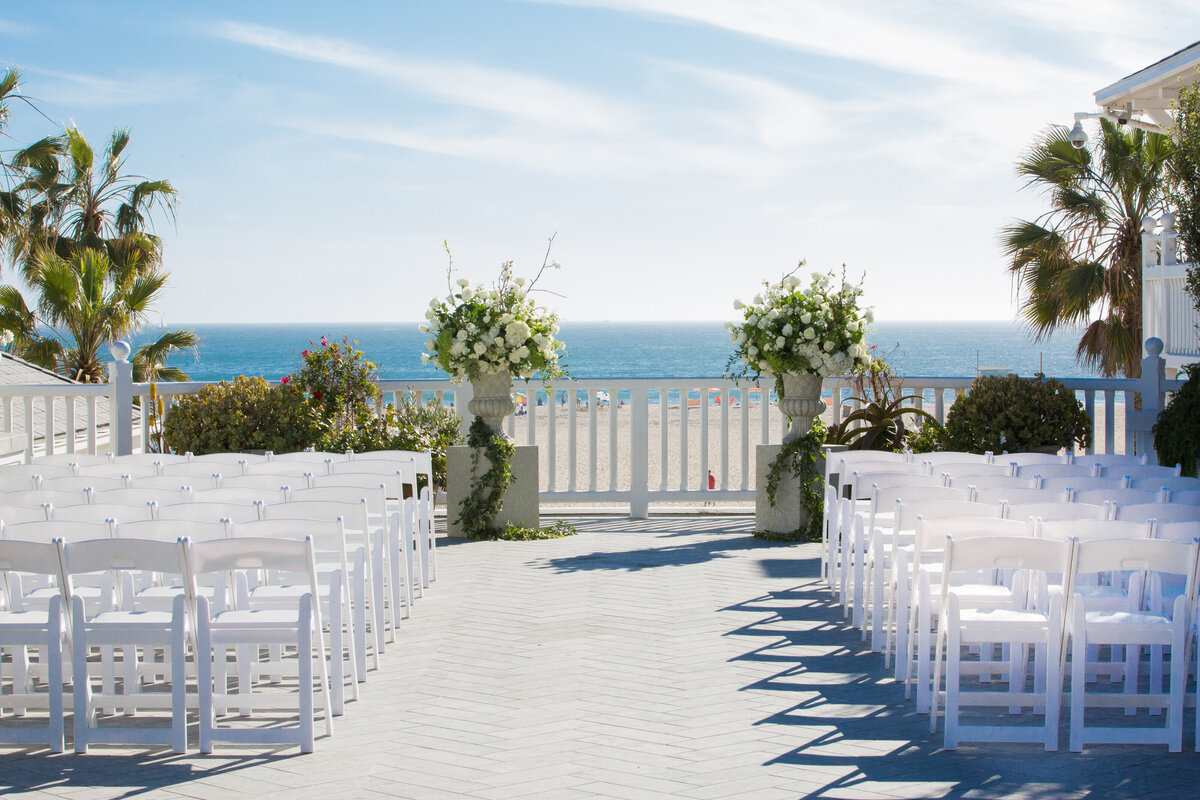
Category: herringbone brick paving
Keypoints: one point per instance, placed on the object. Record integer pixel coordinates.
(665, 658)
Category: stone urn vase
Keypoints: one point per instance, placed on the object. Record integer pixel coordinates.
(493, 398)
(801, 401)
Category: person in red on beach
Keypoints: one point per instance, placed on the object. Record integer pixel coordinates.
(712, 481)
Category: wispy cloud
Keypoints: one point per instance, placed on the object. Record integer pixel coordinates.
(454, 82)
(73, 89)
(855, 33)
(14, 28)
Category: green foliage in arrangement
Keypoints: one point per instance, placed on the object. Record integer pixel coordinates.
(1177, 431)
(1184, 192)
(1016, 414)
(486, 498)
(799, 458)
(239, 416)
(878, 424)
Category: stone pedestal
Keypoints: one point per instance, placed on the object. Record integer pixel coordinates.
(520, 501)
(787, 515)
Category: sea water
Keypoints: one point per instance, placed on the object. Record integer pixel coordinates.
(601, 350)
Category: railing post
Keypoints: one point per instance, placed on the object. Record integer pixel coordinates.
(639, 451)
(120, 399)
(1150, 299)
(1150, 386)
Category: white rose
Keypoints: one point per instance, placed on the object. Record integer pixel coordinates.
(733, 337)
(868, 316)
(806, 317)
(429, 314)
(425, 358)
(462, 334)
(430, 344)
(752, 350)
(762, 323)
(467, 294)
(519, 281)
(480, 348)
(514, 356)
(809, 333)
(758, 299)
(738, 304)
(752, 319)
(852, 326)
(780, 342)
(829, 347)
(788, 329)
(499, 342)
(763, 366)
(434, 303)
(463, 282)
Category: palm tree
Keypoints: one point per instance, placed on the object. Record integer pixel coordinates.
(1080, 263)
(85, 301)
(76, 199)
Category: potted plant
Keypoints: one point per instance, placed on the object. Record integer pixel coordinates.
(488, 335)
(1177, 431)
(1013, 414)
(801, 334)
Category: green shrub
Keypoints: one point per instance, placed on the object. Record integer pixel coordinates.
(239, 416)
(339, 381)
(929, 438)
(1177, 431)
(1015, 415)
(425, 426)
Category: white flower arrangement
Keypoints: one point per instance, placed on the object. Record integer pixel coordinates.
(479, 330)
(818, 329)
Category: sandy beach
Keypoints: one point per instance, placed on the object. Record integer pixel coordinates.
(612, 426)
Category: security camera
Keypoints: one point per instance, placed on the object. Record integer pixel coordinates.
(1077, 136)
(1122, 120)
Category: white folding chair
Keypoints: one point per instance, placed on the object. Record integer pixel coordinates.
(1118, 497)
(981, 482)
(136, 496)
(1047, 472)
(296, 475)
(1102, 460)
(40, 497)
(209, 512)
(1172, 484)
(246, 629)
(333, 600)
(127, 630)
(1019, 626)
(1079, 483)
(987, 591)
(101, 513)
(953, 457)
(283, 484)
(117, 470)
(361, 564)
(149, 458)
(200, 474)
(965, 469)
(41, 471)
(1141, 471)
(82, 459)
(1131, 629)
(318, 457)
(244, 495)
(1029, 459)
(18, 483)
(41, 629)
(82, 483)
(905, 561)
(177, 483)
(1162, 512)
(1018, 495)
(1051, 512)
(11, 515)
(1189, 497)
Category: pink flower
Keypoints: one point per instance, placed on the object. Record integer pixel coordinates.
(304, 353)
(316, 394)
(285, 380)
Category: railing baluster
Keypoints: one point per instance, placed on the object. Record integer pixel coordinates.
(1089, 408)
(613, 440)
(1110, 414)
(683, 439)
(639, 451)
(572, 441)
(551, 443)
(663, 439)
(764, 407)
(593, 456)
(30, 434)
(1129, 432)
(91, 424)
(70, 437)
(48, 439)
(725, 394)
(530, 417)
(744, 425)
(704, 468)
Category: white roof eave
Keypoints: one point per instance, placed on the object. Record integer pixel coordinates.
(1151, 89)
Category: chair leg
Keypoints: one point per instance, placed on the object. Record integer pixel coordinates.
(204, 681)
(178, 678)
(82, 686)
(953, 679)
(306, 676)
(1078, 682)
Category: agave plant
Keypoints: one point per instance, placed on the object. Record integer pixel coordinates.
(879, 424)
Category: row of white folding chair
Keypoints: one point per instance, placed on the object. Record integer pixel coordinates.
(48, 630)
(290, 521)
(1082, 625)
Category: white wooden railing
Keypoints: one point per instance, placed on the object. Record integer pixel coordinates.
(622, 440)
(1168, 309)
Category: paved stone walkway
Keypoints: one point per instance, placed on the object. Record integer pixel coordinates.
(675, 657)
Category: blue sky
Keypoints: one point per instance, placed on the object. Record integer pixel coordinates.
(682, 150)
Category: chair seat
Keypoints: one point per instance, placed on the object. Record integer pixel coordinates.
(256, 618)
(1001, 616)
(1125, 618)
(122, 619)
(33, 620)
(280, 593)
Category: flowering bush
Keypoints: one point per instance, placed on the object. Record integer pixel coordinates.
(338, 380)
(476, 331)
(791, 328)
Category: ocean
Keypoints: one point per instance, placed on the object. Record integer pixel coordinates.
(627, 349)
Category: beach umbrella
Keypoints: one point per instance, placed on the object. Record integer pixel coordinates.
(521, 398)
